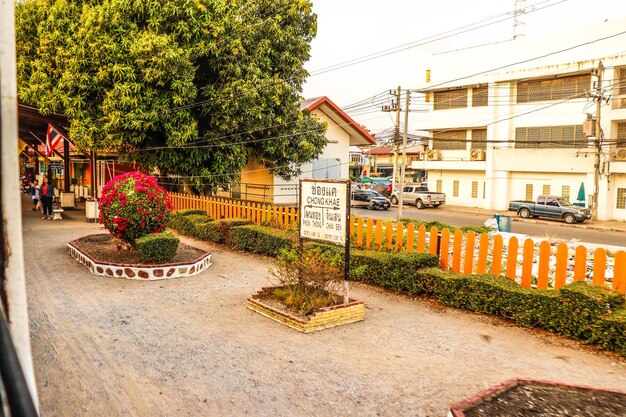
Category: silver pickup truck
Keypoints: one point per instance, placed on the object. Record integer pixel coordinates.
(418, 195)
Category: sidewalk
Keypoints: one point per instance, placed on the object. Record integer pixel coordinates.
(189, 347)
(606, 225)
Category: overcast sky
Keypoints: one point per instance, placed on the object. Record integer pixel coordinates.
(349, 29)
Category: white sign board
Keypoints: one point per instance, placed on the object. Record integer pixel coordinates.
(324, 207)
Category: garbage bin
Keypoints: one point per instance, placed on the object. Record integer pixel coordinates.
(504, 223)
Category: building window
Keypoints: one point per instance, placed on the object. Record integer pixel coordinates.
(451, 99)
(576, 86)
(474, 189)
(450, 140)
(455, 189)
(565, 192)
(479, 138)
(480, 96)
(570, 136)
(621, 81)
(529, 192)
(621, 198)
(621, 134)
(546, 189)
(438, 186)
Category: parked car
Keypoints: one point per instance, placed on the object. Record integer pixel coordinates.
(370, 199)
(550, 206)
(420, 196)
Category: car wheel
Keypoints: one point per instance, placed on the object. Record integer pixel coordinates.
(524, 213)
(371, 206)
(569, 218)
(394, 200)
(419, 204)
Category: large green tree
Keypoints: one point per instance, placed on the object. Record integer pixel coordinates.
(191, 87)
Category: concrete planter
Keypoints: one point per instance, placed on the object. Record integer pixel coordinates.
(478, 404)
(324, 318)
(139, 271)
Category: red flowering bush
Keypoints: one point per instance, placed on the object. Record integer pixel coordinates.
(134, 205)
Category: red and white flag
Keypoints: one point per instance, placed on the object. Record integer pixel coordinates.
(53, 138)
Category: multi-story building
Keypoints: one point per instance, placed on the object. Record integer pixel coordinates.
(506, 121)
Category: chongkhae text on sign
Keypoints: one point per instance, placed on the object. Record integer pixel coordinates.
(323, 211)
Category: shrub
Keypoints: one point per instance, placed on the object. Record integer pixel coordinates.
(157, 247)
(183, 224)
(306, 281)
(218, 231)
(133, 205)
(610, 332)
(397, 271)
(262, 239)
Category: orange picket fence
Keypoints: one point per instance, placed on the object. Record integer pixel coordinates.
(542, 265)
(225, 208)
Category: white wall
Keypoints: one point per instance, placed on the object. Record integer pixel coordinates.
(465, 179)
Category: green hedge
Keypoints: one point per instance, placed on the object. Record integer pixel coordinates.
(218, 231)
(187, 212)
(397, 271)
(586, 312)
(157, 247)
(263, 240)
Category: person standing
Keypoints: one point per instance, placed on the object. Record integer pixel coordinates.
(47, 194)
(34, 193)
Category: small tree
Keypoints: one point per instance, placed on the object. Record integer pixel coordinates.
(134, 205)
(307, 281)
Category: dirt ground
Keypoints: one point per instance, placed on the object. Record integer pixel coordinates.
(189, 347)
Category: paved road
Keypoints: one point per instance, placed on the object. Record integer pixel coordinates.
(554, 229)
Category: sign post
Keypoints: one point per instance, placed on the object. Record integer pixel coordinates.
(325, 216)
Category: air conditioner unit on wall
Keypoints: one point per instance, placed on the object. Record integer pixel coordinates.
(433, 155)
(620, 154)
(477, 154)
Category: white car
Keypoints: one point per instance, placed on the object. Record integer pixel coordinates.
(419, 195)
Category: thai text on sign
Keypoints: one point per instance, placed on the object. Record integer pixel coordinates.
(323, 211)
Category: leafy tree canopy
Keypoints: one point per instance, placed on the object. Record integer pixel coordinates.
(191, 87)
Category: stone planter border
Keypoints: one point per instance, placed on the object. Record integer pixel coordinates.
(139, 271)
(458, 409)
(322, 319)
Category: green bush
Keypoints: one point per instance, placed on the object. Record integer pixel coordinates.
(397, 271)
(610, 332)
(157, 247)
(218, 231)
(188, 212)
(262, 239)
(183, 224)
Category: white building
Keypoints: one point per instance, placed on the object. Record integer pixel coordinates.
(506, 120)
(342, 132)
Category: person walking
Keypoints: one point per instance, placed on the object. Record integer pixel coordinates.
(47, 194)
(34, 193)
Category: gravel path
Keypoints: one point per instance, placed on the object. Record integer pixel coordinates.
(189, 347)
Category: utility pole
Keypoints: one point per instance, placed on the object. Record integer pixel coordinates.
(403, 166)
(598, 142)
(396, 136)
